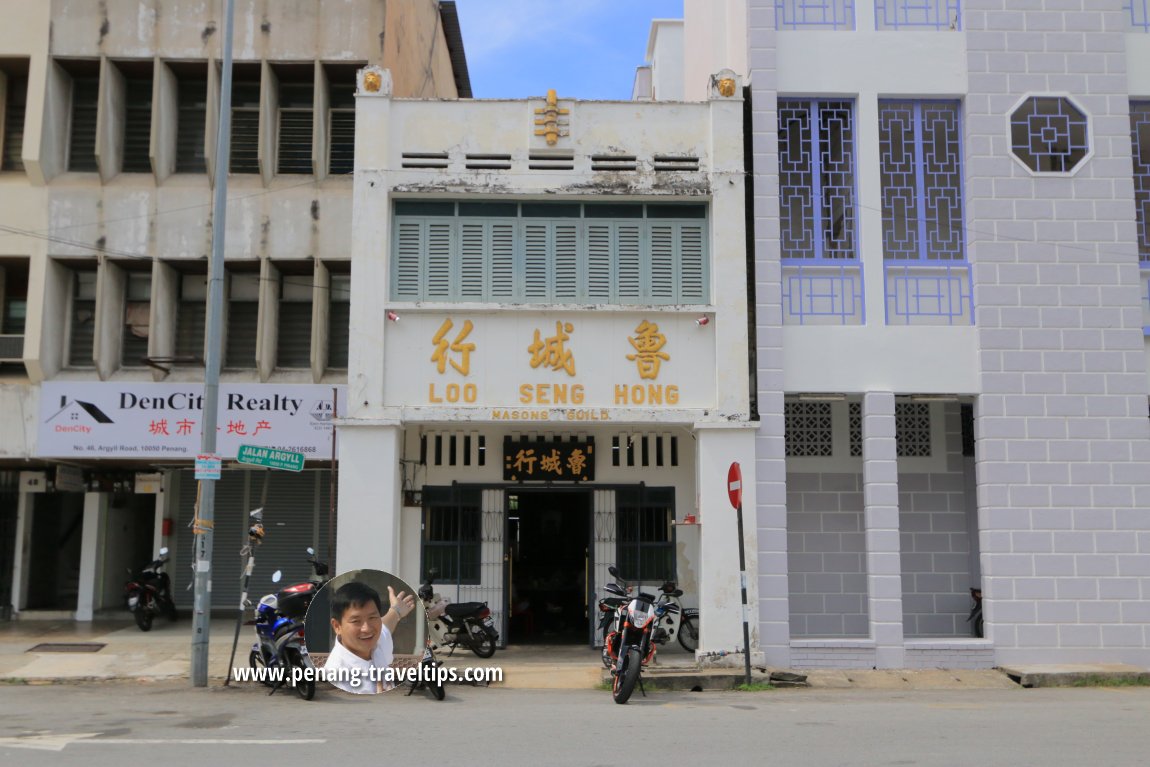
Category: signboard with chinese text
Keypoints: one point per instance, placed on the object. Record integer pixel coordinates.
(162, 421)
(579, 363)
(542, 460)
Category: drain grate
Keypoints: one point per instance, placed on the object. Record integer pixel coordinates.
(67, 647)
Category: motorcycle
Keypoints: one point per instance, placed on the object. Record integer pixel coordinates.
(430, 679)
(280, 630)
(450, 625)
(148, 594)
(631, 644)
(688, 631)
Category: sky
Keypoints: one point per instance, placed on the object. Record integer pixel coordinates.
(584, 49)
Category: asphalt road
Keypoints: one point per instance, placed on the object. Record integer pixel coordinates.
(173, 724)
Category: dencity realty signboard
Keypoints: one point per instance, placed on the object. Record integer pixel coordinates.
(81, 419)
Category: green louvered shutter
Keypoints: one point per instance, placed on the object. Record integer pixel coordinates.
(408, 247)
(629, 262)
(693, 268)
(662, 263)
(536, 252)
(502, 259)
(599, 249)
(439, 260)
(565, 239)
(473, 249)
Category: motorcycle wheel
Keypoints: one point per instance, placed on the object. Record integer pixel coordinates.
(627, 676)
(144, 618)
(689, 633)
(305, 688)
(256, 661)
(480, 640)
(437, 687)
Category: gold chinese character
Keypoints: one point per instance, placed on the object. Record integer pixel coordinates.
(441, 357)
(525, 461)
(551, 351)
(576, 462)
(647, 342)
(550, 463)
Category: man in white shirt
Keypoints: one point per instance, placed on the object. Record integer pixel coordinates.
(363, 648)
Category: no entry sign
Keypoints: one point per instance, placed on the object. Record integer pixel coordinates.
(735, 485)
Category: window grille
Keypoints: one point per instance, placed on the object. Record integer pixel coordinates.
(14, 299)
(817, 179)
(917, 14)
(815, 14)
(645, 543)
(341, 130)
(83, 320)
(339, 321)
(15, 107)
(1140, 134)
(912, 429)
(452, 534)
(82, 142)
(191, 317)
(245, 127)
(646, 450)
(854, 411)
(538, 253)
(192, 96)
(296, 109)
(137, 307)
(137, 125)
(809, 432)
(1049, 134)
(243, 320)
(1139, 11)
(293, 345)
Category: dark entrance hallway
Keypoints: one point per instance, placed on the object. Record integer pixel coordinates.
(548, 533)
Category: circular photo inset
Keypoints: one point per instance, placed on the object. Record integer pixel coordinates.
(364, 630)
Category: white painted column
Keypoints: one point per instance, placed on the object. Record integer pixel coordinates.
(880, 498)
(21, 549)
(720, 602)
(91, 555)
(370, 489)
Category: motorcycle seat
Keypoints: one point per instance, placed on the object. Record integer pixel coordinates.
(463, 609)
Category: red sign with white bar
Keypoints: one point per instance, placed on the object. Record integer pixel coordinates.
(735, 485)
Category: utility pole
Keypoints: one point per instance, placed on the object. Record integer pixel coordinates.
(202, 613)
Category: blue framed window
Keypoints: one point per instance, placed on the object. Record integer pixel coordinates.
(550, 253)
(918, 14)
(1139, 11)
(926, 276)
(815, 14)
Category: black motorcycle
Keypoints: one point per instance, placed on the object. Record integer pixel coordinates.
(149, 593)
(467, 623)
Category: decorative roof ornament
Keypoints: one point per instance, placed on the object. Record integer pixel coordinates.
(551, 121)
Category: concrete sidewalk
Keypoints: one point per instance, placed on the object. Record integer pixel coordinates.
(164, 652)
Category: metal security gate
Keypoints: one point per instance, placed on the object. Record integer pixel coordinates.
(295, 517)
(603, 555)
(9, 504)
(491, 587)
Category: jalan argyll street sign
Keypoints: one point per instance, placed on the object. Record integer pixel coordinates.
(270, 457)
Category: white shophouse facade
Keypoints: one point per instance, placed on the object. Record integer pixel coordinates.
(581, 295)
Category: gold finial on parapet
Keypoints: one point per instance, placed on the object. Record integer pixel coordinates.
(552, 120)
(372, 82)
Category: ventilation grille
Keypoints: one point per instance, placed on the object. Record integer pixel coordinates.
(341, 139)
(488, 161)
(453, 449)
(435, 160)
(647, 450)
(550, 162)
(613, 162)
(295, 141)
(245, 140)
(665, 162)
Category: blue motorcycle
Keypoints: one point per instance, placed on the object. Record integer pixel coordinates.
(280, 632)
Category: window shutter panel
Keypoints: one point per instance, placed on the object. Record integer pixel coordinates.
(294, 342)
(692, 279)
(243, 322)
(599, 262)
(438, 260)
(536, 284)
(566, 249)
(409, 243)
(503, 260)
(83, 333)
(662, 263)
(628, 250)
(473, 248)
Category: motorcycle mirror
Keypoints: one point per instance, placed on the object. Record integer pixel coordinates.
(613, 570)
(164, 551)
(257, 514)
(310, 551)
(276, 576)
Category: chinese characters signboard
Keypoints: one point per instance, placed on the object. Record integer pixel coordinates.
(548, 461)
(164, 421)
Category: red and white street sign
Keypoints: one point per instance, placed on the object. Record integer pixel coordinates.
(735, 485)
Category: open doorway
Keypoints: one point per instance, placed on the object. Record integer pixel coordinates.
(54, 554)
(548, 535)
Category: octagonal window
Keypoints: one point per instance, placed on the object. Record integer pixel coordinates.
(1049, 134)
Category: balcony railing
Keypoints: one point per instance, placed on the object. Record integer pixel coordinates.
(11, 348)
(917, 14)
(814, 14)
(929, 294)
(888, 14)
(823, 294)
(1139, 11)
